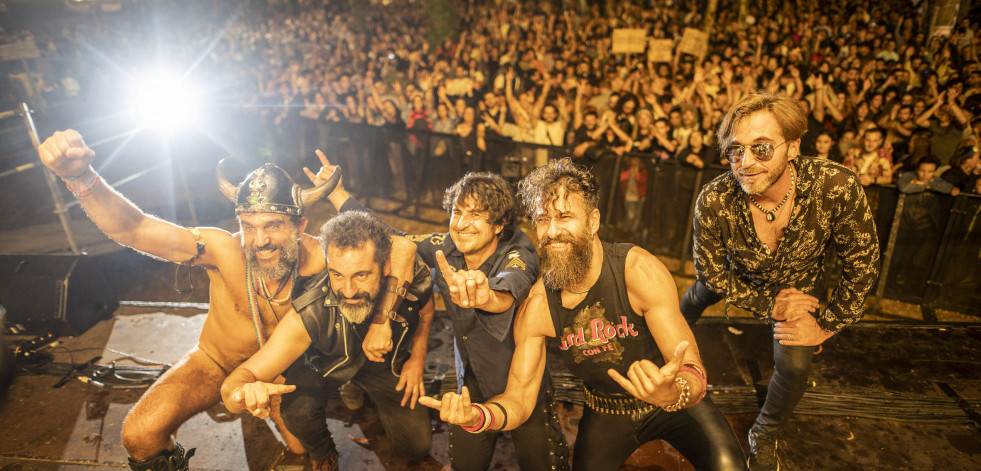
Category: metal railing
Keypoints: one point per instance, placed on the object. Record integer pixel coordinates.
(932, 257)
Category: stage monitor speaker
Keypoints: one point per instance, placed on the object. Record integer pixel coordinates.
(61, 294)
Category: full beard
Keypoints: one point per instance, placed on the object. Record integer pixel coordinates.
(357, 313)
(762, 181)
(565, 270)
(288, 255)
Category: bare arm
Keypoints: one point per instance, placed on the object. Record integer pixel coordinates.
(836, 114)
(924, 119)
(653, 294)
(249, 386)
(536, 110)
(577, 106)
(66, 154)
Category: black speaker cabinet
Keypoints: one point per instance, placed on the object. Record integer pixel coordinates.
(61, 294)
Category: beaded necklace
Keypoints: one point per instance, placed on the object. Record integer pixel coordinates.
(251, 280)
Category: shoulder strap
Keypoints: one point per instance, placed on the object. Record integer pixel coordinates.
(314, 289)
(615, 254)
(554, 299)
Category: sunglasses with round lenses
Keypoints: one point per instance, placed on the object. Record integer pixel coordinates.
(763, 151)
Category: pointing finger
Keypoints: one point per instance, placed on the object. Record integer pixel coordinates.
(430, 402)
(280, 388)
(312, 176)
(323, 158)
(623, 382)
(444, 266)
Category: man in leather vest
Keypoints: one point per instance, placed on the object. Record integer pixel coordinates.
(318, 345)
(261, 262)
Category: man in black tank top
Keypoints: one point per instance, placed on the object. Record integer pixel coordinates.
(613, 310)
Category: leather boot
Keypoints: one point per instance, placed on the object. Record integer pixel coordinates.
(167, 460)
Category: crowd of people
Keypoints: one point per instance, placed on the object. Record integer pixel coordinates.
(779, 91)
(881, 87)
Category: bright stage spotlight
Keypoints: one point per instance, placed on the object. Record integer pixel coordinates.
(164, 102)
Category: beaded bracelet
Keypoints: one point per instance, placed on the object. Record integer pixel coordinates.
(682, 398)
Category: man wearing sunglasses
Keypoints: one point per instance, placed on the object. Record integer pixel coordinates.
(760, 240)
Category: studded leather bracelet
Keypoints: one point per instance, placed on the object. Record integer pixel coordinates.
(388, 306)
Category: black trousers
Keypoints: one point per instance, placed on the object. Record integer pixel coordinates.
(701, 433)
(304, 411)
(791, 366)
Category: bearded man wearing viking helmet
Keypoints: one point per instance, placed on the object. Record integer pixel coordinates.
(252, 274)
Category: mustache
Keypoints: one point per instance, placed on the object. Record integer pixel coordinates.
(749, 171)
(362, 296)
(562, 239)
(269, 246)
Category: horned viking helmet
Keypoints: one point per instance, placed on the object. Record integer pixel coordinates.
(269, 189)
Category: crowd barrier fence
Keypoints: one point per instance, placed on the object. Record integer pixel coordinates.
(931, 258)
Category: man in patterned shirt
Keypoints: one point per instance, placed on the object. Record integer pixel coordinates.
(761, 235)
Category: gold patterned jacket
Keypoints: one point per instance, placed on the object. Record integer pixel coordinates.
(834, 215)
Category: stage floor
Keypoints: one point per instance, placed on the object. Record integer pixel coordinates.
(880, 398)
(877, 401)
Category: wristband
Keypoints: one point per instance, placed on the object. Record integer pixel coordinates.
(388, 305)
(483, 420)
(386, 316)
(504, 422)
(78, 188)
(488, 418)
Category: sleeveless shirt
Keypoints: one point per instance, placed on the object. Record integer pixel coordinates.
(603, 331)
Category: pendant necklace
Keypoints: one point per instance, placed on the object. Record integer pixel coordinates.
(771, 214)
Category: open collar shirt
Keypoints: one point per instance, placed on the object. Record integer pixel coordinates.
(732, 260)
(484, 340)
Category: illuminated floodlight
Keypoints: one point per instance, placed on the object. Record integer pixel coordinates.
(164, 101)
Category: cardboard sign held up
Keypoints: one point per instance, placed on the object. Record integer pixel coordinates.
(25, 49)
(694, 42)
(659, 50)
(629, 40)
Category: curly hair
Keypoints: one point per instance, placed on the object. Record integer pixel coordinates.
(541, 186)
(788, 112)
(352, 229)
(490, 192)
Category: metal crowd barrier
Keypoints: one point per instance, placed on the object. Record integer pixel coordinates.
(931, 258)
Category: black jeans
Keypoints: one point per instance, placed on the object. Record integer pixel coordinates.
(700, 433)
(791, 366)
(533, 441)
(304, 411)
